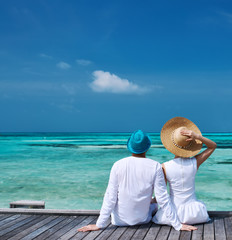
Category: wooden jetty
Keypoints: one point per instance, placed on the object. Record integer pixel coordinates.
(38, 224)
(28, 204)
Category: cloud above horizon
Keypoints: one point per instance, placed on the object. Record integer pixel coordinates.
(43, 55)
(83, 62)
(63, 65)
(107, 82)
(226, 15)
(27, 88)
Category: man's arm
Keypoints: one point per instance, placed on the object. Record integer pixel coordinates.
(108, 205)
(164, 202)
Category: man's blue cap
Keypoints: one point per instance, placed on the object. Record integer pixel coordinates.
(139, 142)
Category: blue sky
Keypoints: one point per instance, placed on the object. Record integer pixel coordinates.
(114, 66)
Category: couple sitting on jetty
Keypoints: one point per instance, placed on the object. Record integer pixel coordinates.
(128, 198)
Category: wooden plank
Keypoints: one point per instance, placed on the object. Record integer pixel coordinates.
(42, 229)
(219, 229)
(27, 204)
(42, 221)
(94, 234)
(107, 232)
(58, 212)
(26, 226)
(9, 232)
(3, 216)
(73, 231)
(174, 234)
(228, 227)
(152, 232)
(198, 234)
(72, 223)
(220, 213)
(11, 223)
(117, 233)
(72, 212)
(50, 231)
(81, 235)
(164, 232)
(141, 231)
(9, 219)
(129, 232)
(209, 230)
(185, 235)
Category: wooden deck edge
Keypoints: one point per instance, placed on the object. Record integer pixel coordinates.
(220, 213)
(82, 212)
(49, 211)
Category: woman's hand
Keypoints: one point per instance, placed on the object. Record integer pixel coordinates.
(190, 134)
(211, 146)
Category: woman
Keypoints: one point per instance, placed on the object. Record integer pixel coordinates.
(183, 138)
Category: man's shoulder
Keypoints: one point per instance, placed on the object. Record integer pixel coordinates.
(122, 160)
(153, 162)
(148, 160)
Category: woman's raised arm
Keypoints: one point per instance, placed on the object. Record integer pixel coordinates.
(211, 146)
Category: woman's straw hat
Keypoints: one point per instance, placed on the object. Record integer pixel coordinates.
(139, 142)
(175, 142)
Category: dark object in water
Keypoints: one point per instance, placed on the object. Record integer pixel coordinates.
(225, 162)
(28, 204)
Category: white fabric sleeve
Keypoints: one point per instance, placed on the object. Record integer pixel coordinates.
(110, 199)
(163, 199)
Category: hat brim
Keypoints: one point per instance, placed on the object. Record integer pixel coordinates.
(166, 137)
(132, 150)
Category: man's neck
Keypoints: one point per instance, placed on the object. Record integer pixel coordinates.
(141, 155)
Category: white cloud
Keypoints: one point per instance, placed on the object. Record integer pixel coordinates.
(107, 82)
(38, 88)
(43, 55)
(67, 107)
(63, 65)
(228, 16)
(69, 88)
(83, 62)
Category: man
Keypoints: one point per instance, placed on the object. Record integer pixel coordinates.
(131, 185)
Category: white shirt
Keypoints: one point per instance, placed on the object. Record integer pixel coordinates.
(129, 193)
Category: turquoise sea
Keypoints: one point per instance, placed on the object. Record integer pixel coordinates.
(71, 170)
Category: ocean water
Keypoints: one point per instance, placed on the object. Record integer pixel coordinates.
(71, 170)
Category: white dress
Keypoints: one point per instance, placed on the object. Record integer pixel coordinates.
(180, 173)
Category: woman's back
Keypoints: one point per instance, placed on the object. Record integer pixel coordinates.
(183, 138)
(180, 173)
